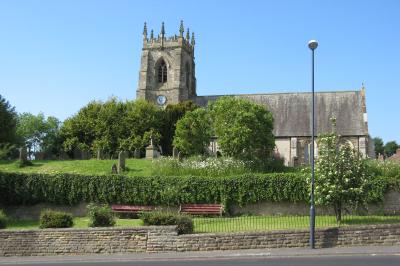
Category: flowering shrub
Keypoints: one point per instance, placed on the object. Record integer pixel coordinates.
(341, 175)
(201, 166)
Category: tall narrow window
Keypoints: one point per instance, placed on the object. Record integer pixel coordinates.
(187, 75)
(162, 72)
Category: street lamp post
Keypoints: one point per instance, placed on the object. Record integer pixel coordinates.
(313, 44)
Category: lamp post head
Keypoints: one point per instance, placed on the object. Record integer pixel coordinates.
(313, 44)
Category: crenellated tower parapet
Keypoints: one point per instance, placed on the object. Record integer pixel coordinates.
(168, 42)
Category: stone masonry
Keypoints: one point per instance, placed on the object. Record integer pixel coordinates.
(166, 239)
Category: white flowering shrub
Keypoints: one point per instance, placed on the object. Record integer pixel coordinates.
(341, 175)
(201, 166)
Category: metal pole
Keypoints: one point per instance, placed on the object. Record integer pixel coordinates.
(312, 208)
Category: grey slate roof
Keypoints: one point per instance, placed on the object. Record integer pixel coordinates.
(292, 112)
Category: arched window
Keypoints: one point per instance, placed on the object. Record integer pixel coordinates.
(162, 72)
(187, 75)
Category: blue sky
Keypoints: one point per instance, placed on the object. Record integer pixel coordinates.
(56, 56)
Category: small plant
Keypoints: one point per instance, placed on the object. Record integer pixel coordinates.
(3, 220)
(100, 215)
(55, 219)
(184, 223)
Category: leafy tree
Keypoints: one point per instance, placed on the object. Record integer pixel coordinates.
(111, 126)
(39, 133)
(8, 122)
(243, 128)
(379, 148)
(172, 113)
(193, 132)
(341, 174)
(390, 148)
(81, 128)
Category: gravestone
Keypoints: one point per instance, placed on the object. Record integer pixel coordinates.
(151, 151)
(23, 156)
(63, 156)
(77, 154)
(99, 154)
(114, 169)
(86, 155)
(136, 154)
(121, 161)
(175, 153)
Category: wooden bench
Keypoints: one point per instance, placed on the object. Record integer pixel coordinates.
(131, 208)
(202, 209)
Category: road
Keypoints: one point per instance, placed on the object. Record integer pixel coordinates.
(354, 256)
(378, 260)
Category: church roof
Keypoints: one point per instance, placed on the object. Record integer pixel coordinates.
(292, 111)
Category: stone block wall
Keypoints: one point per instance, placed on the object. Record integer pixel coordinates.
(166, 239)
(86, 241)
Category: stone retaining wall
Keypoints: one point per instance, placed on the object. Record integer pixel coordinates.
(166, 239)
(390, 205)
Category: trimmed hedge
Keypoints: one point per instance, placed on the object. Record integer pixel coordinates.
(55, 219)
(3, 220)
(30, 188)
(100, 216)
(184, 223)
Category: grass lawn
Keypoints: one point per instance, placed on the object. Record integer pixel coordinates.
(135, 167)
(79, 222)
(238, 224)
(265, 223)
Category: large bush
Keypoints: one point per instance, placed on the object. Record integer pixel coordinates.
(3, 220)
(55, 219)
(193, 132)
(100, 216)
(243, 128)
(184, 223)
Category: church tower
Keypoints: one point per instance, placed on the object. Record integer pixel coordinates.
(167, 70)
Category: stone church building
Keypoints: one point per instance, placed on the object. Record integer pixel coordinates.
(167, 76)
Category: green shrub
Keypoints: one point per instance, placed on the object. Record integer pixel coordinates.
(184, 223)
(100, 216)
(3, 220)
(55, 219)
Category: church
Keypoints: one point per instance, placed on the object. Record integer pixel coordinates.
(167, 76)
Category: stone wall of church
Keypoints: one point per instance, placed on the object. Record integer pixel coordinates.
(296, 150)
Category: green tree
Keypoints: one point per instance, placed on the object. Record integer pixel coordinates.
(390, 148)
(172, 113)
(8, 123)
(341, 174)
(193, 132)
(39, 133)
(111, 126)
(243, 128)
(81, 128)
(379, 148)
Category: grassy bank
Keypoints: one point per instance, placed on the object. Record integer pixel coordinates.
(135, 167)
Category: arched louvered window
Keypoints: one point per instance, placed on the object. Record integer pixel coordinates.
(187, 75)
(162, 72)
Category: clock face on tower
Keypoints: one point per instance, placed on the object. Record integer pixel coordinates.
(161, 100)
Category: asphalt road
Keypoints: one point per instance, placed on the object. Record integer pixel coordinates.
(347, 260)
(338, 256)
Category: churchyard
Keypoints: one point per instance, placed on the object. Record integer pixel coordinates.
(171, 161)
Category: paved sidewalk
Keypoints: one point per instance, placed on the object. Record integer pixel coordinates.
(249, 253)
